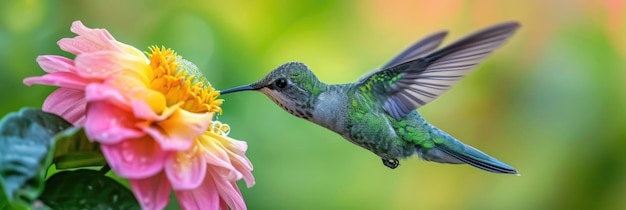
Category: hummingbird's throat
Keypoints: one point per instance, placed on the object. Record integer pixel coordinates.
(288, 105)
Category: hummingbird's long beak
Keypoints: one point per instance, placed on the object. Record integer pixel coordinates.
(237, 89)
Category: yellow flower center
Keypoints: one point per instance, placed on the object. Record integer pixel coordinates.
(183, 84)
(180, 82)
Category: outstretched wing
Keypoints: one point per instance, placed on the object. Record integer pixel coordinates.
(415, 51)
(412, 80)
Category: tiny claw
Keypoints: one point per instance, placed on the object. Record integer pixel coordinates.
(391, 163)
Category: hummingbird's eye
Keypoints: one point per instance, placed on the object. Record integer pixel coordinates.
(281, 83)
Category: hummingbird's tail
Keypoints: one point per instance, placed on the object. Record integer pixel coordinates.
(449, 150)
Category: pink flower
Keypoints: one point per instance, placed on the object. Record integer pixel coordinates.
(152, 115)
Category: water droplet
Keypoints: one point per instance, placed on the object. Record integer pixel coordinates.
(105, 135)
(225, 129)
(127, 153)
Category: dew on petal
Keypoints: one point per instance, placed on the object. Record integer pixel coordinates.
(220, 128)
(225, 129)
(127, 153)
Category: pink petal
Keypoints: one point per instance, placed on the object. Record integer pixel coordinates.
(223, 204)
(172, 136)
(79, 28)
(241, 145)
(135, 158)
(245, 170)
(230, 193)
(203, 197)
(103, 64)
(152, 192)
(61, 79)
(55, 63)
(92, 40)
(236, 152)
(142, 110)
(241, 162)
(185, 171)
(88, 40)
(229, 157)
(67, 103)
(167, 142)
(108, 124)
(100, 92)
(217, 155)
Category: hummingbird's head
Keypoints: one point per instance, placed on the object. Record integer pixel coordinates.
(292, 86)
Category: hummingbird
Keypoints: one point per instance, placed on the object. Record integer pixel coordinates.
(378, 112)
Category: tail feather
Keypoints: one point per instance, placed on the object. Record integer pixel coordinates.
(449, 150)
(479, 159)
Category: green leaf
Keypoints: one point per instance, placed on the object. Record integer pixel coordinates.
(86, 189)
(25, 142)
(73, 149)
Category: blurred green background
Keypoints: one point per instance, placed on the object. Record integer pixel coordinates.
(551, 102)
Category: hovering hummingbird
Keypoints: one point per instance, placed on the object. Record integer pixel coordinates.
(378, 112)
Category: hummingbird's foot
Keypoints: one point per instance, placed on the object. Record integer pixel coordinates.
(391, 163)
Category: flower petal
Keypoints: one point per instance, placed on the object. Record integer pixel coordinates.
(244, 168)
(100, 92)
(203, 197)
(145, 110)
(173, 136)
(103, 64)
(55, 63)
(214, 152)
(61, 79)
(227, 153)
(135, 158)
(240, 161)
(185, 171)
(137, 78)
(152, 192)
(108, 124)
(67, 103)
(88, 40)
(229, 191)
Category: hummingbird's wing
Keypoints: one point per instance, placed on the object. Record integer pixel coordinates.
(415, 51)
(412, 80)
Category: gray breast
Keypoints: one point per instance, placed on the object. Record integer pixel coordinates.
(330, 110)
